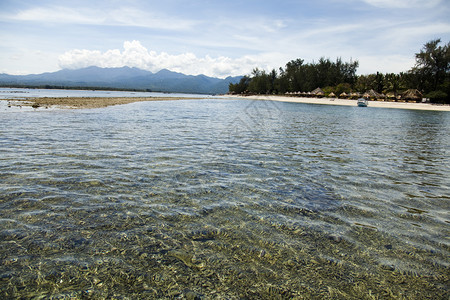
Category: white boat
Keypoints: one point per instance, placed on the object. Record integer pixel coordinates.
(363, 102)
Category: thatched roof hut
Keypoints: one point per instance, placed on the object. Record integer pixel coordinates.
(412, 94)
(390, 95)
(355, 95)
(343, 95)
(331, 95)
(318, 92)
(373, 95)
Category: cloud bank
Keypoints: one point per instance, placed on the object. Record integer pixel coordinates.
(403, 3)
(134, 54)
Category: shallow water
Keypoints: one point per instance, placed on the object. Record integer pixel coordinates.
(224, 198)
(21, 93)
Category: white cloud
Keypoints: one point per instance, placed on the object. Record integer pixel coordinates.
(403, 3)
(134, 54)
(58, 15)
(385, 64)
(134, 17)
(122, 16)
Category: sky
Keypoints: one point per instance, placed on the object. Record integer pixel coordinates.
(216, 38)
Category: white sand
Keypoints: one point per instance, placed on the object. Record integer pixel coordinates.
(331, 101)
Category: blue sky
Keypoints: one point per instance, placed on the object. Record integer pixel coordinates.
(216, 38)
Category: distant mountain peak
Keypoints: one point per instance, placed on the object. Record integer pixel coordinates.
(126, 78)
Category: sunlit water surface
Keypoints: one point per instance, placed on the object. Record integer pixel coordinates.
(224, 198)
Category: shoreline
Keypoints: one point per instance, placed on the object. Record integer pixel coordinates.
(346, 102)
(85, 102)
(101, 102)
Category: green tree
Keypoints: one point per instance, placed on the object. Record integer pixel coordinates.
(273, 79)
(294, 75)
(241, 87)
(365, 83)
(393, 83)
(299, 77)
(281, 82)
(342, 88)
(260, 83)
(379, 82)
(432, 69)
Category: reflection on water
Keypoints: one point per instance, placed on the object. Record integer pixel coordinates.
(224, 198)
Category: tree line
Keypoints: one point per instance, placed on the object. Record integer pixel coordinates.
(430, 75)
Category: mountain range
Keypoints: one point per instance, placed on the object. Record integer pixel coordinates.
(124, 78)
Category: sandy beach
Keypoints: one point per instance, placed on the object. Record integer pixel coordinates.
(345, 102)
(98, 102)
(84, 102)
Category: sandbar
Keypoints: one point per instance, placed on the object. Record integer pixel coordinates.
(86, 102)
(346, 102)
(99, 102)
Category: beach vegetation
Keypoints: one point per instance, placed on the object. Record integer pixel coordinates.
(430, 76)
(241, 87)
(299, 76)
(394, 83)
(431, 72)
(437, 96)
(262, 82)
(341, 88)
(432, 65)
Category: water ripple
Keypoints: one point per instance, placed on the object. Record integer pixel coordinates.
(169, 199)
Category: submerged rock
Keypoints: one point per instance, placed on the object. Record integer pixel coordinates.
(335, 238)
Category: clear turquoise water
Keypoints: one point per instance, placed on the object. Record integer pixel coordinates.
(222, 198)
